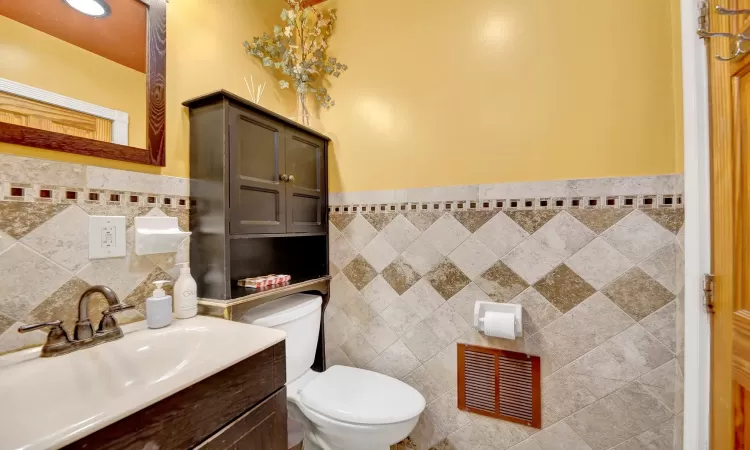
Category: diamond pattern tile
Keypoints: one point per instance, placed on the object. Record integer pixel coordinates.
(5, 241)
(400, 233)
(473, 257)
(121, 274)
(422, 219)
(27, 279)
(379, 294)
(64, 239)
(379, 220)
(622, 359)
(637, 236)
(501, 283)
(446, 234)
(474, 220)
(18, 219)
(671, 219)
(599, 220)
(638, 294)
(423, 299)
(422, 255)
(564, 288)
(447, 279)
(341, 221)
(501, 234)
(379, 253)
(537, 311)
(599, 263)
(359, 232)
(400, 275)
(592, 283)
(61, 305)
(532, 260)
(341, 252)
(564, 234)
(532, 220)
(359, 272)
(583, 328)
(463, 302)
(662, 266)
(446, 323)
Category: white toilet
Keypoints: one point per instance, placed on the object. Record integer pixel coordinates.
(343, 408)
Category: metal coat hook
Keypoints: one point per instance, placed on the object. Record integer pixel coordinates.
(731, 12)
(703, 32)
(737, 52)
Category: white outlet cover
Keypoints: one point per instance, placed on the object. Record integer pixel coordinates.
(106, 237)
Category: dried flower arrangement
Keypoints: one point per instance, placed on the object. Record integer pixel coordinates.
(298, 49)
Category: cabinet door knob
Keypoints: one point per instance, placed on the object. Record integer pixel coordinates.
(284, 177)
(291, 178)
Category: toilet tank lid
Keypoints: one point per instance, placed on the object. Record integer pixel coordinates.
(283, 310)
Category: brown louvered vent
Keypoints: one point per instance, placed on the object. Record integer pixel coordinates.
(500, 383)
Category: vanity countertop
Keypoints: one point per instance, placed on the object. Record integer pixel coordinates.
(47, 403)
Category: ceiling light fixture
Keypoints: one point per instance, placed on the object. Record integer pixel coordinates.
(93, 8)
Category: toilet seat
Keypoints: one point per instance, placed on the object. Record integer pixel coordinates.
(362, 397)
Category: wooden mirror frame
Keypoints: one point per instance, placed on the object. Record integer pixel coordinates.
(156, 88)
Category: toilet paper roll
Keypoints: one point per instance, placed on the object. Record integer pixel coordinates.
(500, 324)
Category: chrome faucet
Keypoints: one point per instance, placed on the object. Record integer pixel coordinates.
(58, 342)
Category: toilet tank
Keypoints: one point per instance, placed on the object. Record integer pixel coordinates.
(299, 316)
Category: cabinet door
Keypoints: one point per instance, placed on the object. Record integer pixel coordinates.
(262, 428)
(256, 152)
(306, 189)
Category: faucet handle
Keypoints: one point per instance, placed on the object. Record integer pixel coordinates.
(58, 342)
(120, 307)
(54, 324)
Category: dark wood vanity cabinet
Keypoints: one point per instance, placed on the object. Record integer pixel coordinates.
(259, 195)
(243, 407)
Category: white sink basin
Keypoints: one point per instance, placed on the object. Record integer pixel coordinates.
(50, 402)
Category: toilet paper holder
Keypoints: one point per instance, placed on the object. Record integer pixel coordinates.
(481, 308)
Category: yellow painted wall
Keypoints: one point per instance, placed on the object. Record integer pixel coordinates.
(37, 59)
(446, 92)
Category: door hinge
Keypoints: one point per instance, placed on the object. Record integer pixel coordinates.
(708, 292)
(702, 20)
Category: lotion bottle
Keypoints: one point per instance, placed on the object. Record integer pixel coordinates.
(185, 294)
(159, 307)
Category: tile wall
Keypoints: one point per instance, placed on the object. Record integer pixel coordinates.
(596, 264)
(44, 264)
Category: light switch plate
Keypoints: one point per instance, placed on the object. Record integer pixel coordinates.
(106, 237)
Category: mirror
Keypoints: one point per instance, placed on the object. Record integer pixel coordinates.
(84, 76)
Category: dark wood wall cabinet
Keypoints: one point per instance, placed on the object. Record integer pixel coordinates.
(259, 191)
(242, 407)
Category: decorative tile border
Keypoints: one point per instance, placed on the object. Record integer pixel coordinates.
(649, 201)
(43, 193)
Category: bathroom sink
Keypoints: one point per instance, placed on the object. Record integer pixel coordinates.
(51, 402)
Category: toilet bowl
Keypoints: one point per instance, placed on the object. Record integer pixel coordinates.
(342, 408)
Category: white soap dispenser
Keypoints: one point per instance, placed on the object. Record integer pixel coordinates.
(159, 307)
(185, 294)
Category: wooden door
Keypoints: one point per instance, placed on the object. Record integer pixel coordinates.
(256, 158)
(730, 236)
(306, 186)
